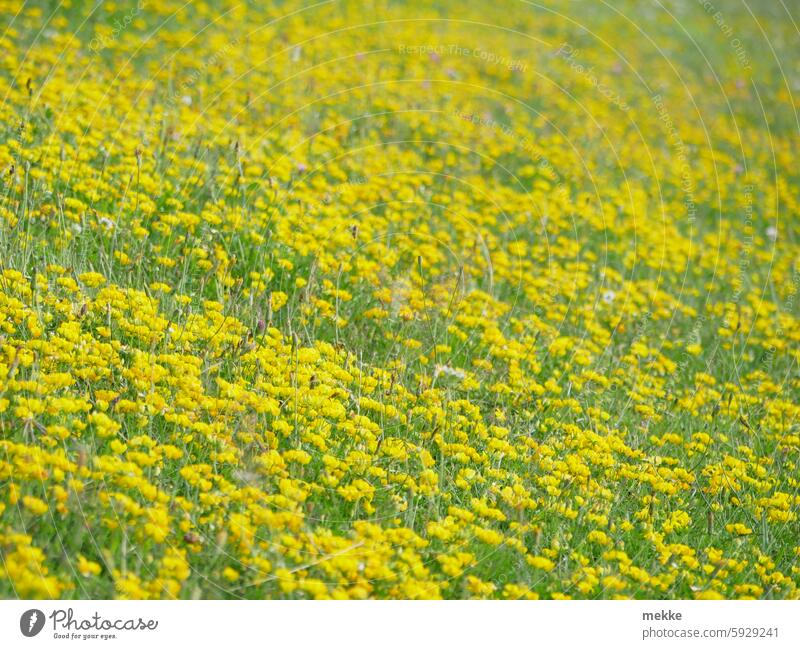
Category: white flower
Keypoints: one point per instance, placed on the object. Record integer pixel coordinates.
(450, 371)
(186, 100)
(772, 233)
(609, 296)
(104, 220)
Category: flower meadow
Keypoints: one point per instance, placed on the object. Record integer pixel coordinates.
(382, 299)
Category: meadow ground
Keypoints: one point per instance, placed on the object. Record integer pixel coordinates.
(382, 299)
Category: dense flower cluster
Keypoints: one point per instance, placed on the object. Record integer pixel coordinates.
(310, 303)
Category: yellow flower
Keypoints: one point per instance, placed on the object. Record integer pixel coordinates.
(540, 563)
(738, 529)
(599, 537)
(88, 568)
(277, 299)
(35, 505)
(230, 574)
